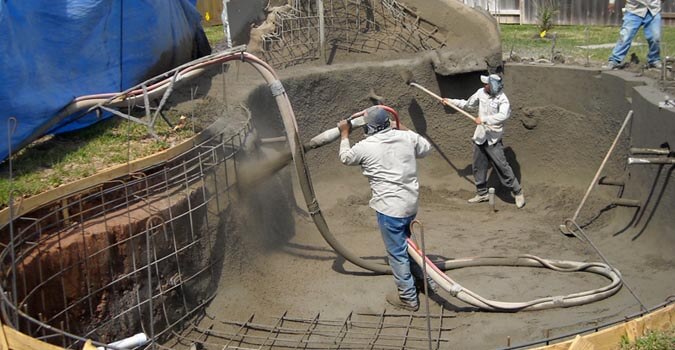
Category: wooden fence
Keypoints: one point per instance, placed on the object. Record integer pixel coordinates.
(578, 12)
(210, 10)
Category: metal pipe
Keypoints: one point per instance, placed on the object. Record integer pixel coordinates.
(658, 151)
(273, 139)
(226, 24)
(491, 199)
(612, 181)
(625, 202)
(322, 33)
(635, 160)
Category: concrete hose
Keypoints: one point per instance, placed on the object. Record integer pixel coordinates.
(471, 298)
(298, 154)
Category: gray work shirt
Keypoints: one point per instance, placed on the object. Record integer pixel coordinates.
(640, 7)
(492, 110)
(387, 159)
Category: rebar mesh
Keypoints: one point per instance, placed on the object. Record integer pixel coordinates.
(363, 26)
(387, 330)
(132, 254)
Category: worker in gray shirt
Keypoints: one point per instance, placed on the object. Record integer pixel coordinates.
(493, 110)
(638, 13)
(387, 157)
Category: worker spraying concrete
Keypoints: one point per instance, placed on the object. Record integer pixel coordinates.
(387, 157)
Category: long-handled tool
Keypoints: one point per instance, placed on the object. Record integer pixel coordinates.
(408, 77)
(566, 228)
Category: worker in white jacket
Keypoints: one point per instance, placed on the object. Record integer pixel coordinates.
(387, 157)
(493, 110)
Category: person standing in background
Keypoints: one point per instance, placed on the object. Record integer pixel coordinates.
(638, 13)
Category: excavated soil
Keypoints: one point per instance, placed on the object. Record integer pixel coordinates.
(563, 121)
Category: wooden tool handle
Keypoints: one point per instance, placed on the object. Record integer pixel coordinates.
(440, 99)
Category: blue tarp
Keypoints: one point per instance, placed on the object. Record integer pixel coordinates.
(52, 51)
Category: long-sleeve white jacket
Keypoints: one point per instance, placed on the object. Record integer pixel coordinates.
(387, 159)
(492, 110)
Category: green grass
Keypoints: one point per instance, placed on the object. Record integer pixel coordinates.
(524, 41)
(215, 34)
(54, 161)
(653, 340)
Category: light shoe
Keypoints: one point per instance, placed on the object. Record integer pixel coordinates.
(520, 200)
(655, 65)
(395, 300)
(479, 198)
(611, 65)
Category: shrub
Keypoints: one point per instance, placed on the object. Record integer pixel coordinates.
(547, 10)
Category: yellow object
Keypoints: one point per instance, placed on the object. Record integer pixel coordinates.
(207, 17)
(541, 35)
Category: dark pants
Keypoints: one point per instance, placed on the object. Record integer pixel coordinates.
(482, 156)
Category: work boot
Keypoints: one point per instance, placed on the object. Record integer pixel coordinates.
(520, 200)
(395, 300)
(479, 198)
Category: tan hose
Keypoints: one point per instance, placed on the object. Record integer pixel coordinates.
(304, 178)
(471, 298)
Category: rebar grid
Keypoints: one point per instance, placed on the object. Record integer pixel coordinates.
(364, 26)
(66, 280)
(387, 330)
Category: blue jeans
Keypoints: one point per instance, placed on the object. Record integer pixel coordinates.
(394, 233)
(631, 24)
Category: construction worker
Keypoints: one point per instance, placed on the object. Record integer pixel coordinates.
(638, 13)
(493, 110)
(387, 157)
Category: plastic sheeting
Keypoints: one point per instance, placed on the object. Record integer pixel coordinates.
(52, 51)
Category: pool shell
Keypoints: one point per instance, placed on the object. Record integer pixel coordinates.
(563, 122)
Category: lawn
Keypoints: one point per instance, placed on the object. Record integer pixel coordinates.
(524, 41)
(54, 161)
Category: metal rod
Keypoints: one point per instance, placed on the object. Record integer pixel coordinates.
(148, 247)
(425, 282)
(635, 160)
(11, 128)
(322, 34)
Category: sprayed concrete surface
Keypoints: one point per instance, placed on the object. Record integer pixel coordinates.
(563, 122)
